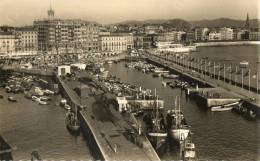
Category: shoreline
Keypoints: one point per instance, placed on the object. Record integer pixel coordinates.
(229, 43)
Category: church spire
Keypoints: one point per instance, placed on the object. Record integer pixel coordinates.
(50, 12)
(247, 22)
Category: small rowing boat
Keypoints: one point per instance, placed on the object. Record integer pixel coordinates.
(221, 108)
(226, 107)
(12, 99)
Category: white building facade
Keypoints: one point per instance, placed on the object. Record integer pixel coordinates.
(7, 43)
(116, 42)
(226, 33)
(214, 36)
(28, 39)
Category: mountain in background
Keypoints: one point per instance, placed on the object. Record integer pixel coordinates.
(225, 22)
(180, 23)
(172, 22)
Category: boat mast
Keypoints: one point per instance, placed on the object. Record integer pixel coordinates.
(156, 111)
(175, 110)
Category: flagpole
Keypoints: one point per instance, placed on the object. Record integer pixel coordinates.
(189, 63)
(224, 73)
(236, 77)
(219, 72)
(249, 80)
(230, 75)
(201, 68)
(242, 79)
(205, 69)
(257, 85)
(214, 71)
(209, 69)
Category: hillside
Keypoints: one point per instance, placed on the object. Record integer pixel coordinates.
(180, 23)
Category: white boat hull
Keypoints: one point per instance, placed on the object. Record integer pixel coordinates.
(157, 134)
(221, 108)
(42, 102)
(179, 134)
(157, 139)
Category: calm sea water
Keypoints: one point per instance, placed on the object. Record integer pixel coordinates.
(28, 126)
(232, 55)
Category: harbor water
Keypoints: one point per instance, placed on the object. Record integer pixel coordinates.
(217, 136)
(231, 55)
(28, 126)
(225, 135)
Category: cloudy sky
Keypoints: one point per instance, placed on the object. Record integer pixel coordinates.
(23, 12)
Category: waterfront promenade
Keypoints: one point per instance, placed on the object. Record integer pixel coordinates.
(205, 76)
(227, 43)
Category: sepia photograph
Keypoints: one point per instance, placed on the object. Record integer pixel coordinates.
(129, 80)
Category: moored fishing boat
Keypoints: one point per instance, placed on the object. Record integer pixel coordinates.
(8, 89)
(243, 64)
(226, 107)
(109, 62)
(38, 91)
(45, 98)
(67, 107)
(252, 114)
(35, 156)
(34, 98)
(42, 102)
(72, 121)
(221, 108)
(157, 74)
(177, 126)
(189, 153)
(156, 129)
(12, 99)
(63, 102)
(160, 70)
(48, 92)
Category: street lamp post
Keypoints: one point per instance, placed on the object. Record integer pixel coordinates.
(236, 77)
(230, 75)
(242, 78)
(205, 69)
(257, 83)
(249, 79)
(214, 70)
(219, 73)
(224, 73)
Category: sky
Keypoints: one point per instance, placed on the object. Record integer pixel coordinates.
(23, 12)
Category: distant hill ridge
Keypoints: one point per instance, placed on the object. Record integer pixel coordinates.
(220, 22)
